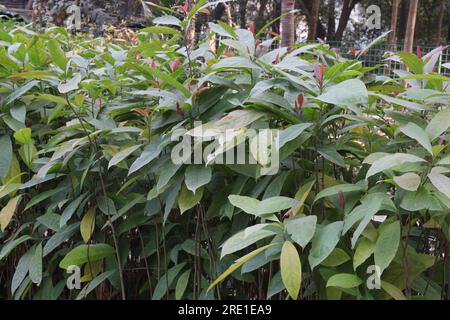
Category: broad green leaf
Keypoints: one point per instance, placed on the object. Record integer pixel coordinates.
(94, 284)
(21, 270)
(182, 284)
(291, 269)
(247, 237)
(334, 190)
(70, 85)
(151, 152)
(8, 211)
(387, 245)
(391, 161)
(344, 281)
(439, 124)
(409, 181)
(5, 156)
(84, 253)
(167, 172)
(302, 195)
(275, 204)
(292, 132)
(197, 176)
(122, 155)
(188, 199)
(415, 132)
(245, 203)
(238, 263)
(336, 258)
(324, 242)
(441, 182)
(301, 229)
(364, 250)
(70, 209)
(87, 224)
(9, 246)
(23, 136)
(166, 279)
(416, 200)
(393, 291)
(58, 55)
(348, 92)
(36, 265)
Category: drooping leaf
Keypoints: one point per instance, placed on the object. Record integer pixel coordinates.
(291, 269)
(387, 245)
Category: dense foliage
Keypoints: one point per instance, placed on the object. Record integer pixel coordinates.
(87, 177)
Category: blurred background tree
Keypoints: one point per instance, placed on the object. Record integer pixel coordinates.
(330, 20)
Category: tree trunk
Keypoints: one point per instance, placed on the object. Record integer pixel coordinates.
(347, 9)
(287, 23)
(331, 29)
(276, 13)
(38, 12)
(243, 13)
(313, 20)
(394, 18)
(411, 26)
(190, 32)
(442, 11)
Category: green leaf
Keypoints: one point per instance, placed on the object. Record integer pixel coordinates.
(36, 265)
(122, 155)
(336, 258)
(23, 136)
(364, 250)
(166, 279)
(330, 153)
(94, 284)
(439, 124)
(291, 269)
(393, 291)
(348, 92)
(247, 237)
(21, 270)
(390, 161)
(9, 246)
(70, 210)
(244, 203)
(441, 182)
(197, 176)
(84, 253)
(415, 132)
(292, 132)
(7, 212)
(16, 94)
(334, 190)
(344, 281)
(275, 204)
(301, 229)
(324, 241)
(70, 85)
(188, 199)
(151, 152)
(57, 54)
(5, 156)
(182, 284)
(387, 245)
(167, 172)
(87, 224)
(409, 181)
(238, 263)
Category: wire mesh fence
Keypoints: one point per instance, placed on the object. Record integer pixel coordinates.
(376, 55)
